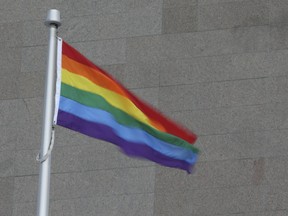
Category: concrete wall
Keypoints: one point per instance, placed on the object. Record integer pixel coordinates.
(218, 66)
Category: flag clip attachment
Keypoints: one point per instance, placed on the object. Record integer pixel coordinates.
(44, 158)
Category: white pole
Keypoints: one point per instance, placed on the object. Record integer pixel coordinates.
(52, 21)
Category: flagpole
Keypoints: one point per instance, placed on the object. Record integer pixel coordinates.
(52, 21)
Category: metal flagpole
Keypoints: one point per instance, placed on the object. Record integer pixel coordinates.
(52, 21)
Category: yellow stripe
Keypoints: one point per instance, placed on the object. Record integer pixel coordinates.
(111, 97)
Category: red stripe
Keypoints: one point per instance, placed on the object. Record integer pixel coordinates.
(170, 126)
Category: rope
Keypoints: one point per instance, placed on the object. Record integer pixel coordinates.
(45, 157)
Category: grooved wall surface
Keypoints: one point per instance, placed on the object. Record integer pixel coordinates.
(217, 66)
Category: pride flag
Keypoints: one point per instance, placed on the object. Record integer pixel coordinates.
(92, 102)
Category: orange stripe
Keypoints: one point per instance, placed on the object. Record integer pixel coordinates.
(92, 74)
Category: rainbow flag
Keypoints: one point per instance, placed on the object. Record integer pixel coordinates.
(92, 102)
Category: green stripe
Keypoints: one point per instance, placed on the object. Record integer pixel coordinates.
(96, 101)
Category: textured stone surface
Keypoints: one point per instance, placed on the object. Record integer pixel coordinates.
(29, 129)
(8, 139)
(149, 95)
(223, 67)
(213, 174)
(35, 33)
(201, 2)
(179, 19)
(210, 43)
(178, 3)
(77, 185)
(134, 204)
(276, 171)
(25, 162)
(259, 213)
(220, 201)
(116, 71)
(29, 135)
(15, 11)
(34, 59)
(278, 12)
(145, 75)
(106, 52)
(31, 83)
(25, 209)
(103, 182)
(12, 113)
(6, 196)
(118, 25)
(251, 144)
(278, 36)
(7, 163)
(217, 94)
(233, 14)
(234, 120)
(10, 61)
(76, 8)
(11, 34)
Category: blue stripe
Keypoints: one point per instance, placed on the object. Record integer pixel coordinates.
(130, 134)
(106, 133)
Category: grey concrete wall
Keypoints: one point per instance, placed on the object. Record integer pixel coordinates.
(218, 66)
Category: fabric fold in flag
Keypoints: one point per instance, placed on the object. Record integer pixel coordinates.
(90, 101)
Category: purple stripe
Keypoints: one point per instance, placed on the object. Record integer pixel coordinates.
(104, 132)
